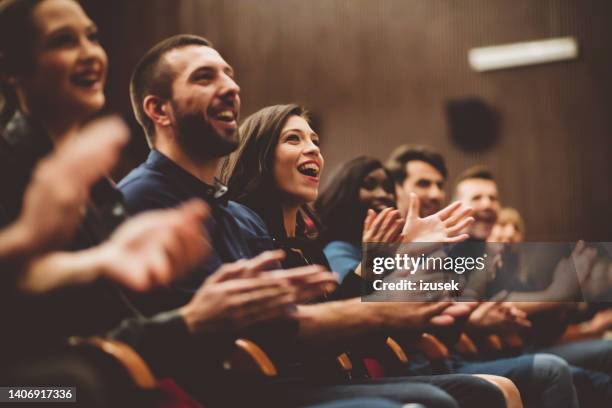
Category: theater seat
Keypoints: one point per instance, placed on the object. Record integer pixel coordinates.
(136, 367)
(507, 387)
(466, 346)
(249, 359)
(165, 393)
(433, 348)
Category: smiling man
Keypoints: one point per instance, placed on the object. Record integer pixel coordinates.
(477, 188)
(420, 170)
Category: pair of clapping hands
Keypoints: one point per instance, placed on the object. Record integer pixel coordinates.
(446, 226)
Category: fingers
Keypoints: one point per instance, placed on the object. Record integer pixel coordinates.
(435, 308)
(460, 226)
(447, 211)
(243, 268)
(295, 274)
(459, 215)
(227, 272)
(264, 261)
(457, 310)
(371, 215)
(373, 232)
(456, 239)
(394, 231)
(315, 287)
(486, 307)
(389, 220)
(309, 281)
(413, 206)
(442, 320)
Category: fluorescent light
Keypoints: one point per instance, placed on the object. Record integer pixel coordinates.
(523, 53)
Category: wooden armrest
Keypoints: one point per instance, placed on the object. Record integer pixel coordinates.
(397, 350)
(248, 358)
(466, 345)
(513, 340)
(136, 367)
(493, 342)
(507, 387)
(344, 361)
(433, 348)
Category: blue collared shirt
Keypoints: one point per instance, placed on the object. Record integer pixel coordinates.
(235, 231)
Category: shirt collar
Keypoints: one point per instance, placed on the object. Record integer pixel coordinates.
(216, 192)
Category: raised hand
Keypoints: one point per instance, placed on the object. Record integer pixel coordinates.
(384, 227)
(445, 226)
(54, 200)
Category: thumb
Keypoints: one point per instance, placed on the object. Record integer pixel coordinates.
(414, 206)
(368, 219)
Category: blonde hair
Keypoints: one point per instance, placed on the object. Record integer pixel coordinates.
(509, 215)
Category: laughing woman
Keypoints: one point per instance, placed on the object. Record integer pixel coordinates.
(276, 173)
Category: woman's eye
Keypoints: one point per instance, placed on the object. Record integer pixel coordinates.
(63, 40)
(292, 138)
(316, 142)
(369, 184)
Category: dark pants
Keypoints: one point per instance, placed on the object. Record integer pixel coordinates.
(591, 367)
(440, 391)
(362, 403)
(593, 355)
(544, 380)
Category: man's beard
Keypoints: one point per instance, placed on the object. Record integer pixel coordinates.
(199, 140)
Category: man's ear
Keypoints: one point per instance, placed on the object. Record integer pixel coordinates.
(157, 109)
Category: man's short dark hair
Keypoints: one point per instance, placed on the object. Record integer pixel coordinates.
(152, 76)
(407, 153)
(476, 172)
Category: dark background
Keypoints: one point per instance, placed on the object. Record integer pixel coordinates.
(381, 73)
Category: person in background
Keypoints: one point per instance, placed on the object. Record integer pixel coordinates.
(509, 228)
(420, 170)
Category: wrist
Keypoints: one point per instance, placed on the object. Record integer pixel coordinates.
(99, 261)
(377, 315)
(587, 328)
(17, 243)
(187, 312)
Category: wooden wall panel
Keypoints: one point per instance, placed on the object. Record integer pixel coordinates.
(378, 73)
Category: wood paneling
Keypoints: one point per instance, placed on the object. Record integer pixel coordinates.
(378, 73)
